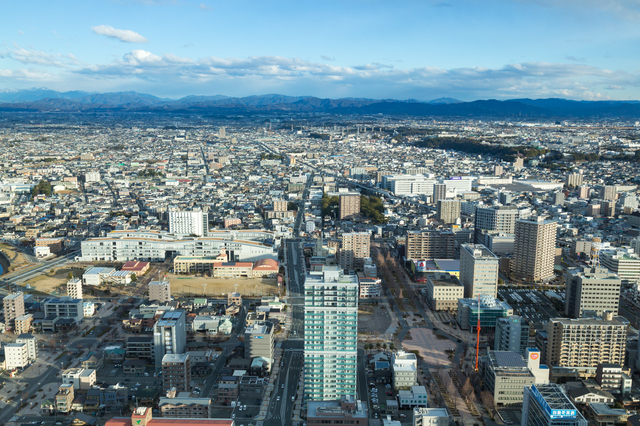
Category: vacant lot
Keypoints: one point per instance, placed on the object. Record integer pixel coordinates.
(54, 282)
(182, 285)
(15, 257)
(429, 346)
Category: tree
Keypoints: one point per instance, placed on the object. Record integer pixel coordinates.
(487, 399)
(467, 388)
(384, 346)
(69, 276)
(392, 346)
(134, 278)
(378, 345)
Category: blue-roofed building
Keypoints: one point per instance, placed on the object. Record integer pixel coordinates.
(549, 405)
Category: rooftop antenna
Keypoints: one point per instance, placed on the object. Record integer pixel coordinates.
(478, 335)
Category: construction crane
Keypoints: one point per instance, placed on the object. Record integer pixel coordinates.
(478, 335)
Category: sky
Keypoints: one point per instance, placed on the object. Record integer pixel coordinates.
(423, 49)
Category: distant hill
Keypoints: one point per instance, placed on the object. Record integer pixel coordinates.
(76, 101)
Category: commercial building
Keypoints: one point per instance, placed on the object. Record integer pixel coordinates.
(32, 345)
(345, 410)
(549, 405)
(507, 373)
(489, 310)
(534, 249)
(408, 184)
(183, 223)
(154, 246)
(430, 244)
(591, 289)
(405, 370)
(64, 307)
(349, 205)
(176, 372)
(74, 288)
(512, 334)
(185, 408)
(330, 334)
(448, 211)
(13, 308)
(160, 291)
(370, 287)
(79, 378)
(415, 397)
(478, 271)
(443, 290)
(16, 355)
(356, 246)
(625, 263)
(259, 341)
(423, 416)
(142, 416)
(169, 335)
(586, 342)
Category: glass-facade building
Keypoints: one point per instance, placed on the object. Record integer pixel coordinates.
(330, 334)
(548, 405)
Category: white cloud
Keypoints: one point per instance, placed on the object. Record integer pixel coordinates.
(127, 36)
(25, 56)
(204, 7)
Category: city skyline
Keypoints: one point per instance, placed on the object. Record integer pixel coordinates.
(411, 50)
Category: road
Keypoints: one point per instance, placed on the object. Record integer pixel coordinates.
(21, 276)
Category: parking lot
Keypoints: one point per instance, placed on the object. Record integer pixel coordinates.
(533, 305)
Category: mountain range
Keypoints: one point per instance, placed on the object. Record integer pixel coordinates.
(46, 100)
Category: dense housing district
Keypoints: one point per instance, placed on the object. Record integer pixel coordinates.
(294, 270)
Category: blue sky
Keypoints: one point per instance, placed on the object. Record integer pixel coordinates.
(465, 49)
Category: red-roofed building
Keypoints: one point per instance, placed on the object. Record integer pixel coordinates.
(142, 416)
(265, 268)
(136, 267)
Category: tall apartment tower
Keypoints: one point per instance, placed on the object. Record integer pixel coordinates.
(498, 170)
(448, 211)
(169, 335)
(430, 244)
(160, 291)
(439, 192)
(222, 133)
(356, 246)
(609, 192)
(499, 218)
(583, 192)
(549, 405)
(586, 342)
(74, 288)
(330, 334)
(189, 223)
(574, 180)
(534, 249)
(349, 205)
(478, 271)
(13, 308)
(591, 289)
(176, 372)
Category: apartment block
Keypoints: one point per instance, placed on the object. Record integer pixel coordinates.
(534, 249)
(349, 205)
(356, 246)
(430, 244)
(185, 408)
(16, 355)
(405, 370)
(32, 345)
(183, 223)
(169, 335)
(176, 372)
(13, 308)
(259, 341)
(586, 342)
(160, 291)
(74, 288)
(330, 334)
(448, 211)
(512, 334)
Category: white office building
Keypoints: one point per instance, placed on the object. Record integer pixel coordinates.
(330, 334)
(549, 405)
(478, 271)
(32, 345)
(405, 370)
(16, 355)
(423, 416)
(183, 223)
(408, 184)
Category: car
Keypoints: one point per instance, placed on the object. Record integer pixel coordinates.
(283, 386)
(233, 416)
(278, 399)
(244, 407)
(403, 415)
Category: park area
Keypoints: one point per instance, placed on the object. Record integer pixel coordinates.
(182, 285)
(16, 258)
(54, 282)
